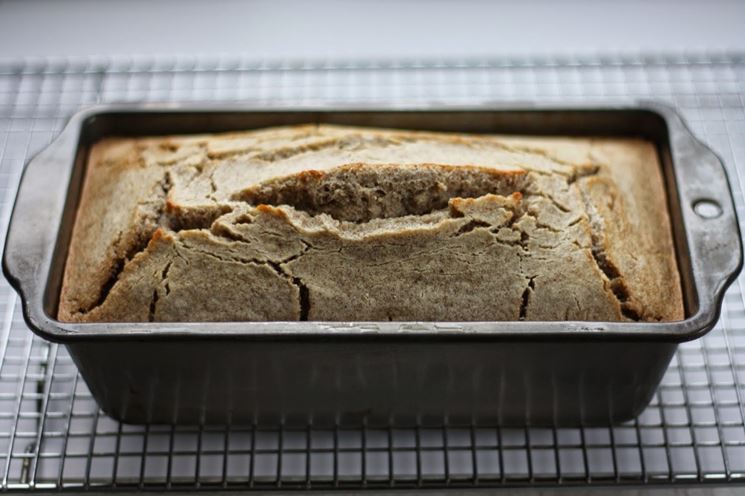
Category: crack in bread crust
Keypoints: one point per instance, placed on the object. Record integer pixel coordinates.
(123, 251)
(361, 192)
(612, 275)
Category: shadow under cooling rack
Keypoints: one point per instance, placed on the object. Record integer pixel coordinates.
(53, 436)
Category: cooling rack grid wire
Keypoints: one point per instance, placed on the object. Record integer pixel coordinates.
(53, 436)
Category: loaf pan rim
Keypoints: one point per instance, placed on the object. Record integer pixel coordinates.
(700, 322)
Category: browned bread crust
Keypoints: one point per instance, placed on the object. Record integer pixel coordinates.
(340, 223)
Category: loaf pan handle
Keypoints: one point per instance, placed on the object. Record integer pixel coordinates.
(35, 223)
(710, 218)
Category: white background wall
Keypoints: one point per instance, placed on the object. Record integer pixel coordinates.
(329, 29)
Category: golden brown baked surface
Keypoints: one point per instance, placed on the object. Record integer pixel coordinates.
(339, 223)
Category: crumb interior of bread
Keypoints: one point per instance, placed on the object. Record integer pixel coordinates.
(356, 193)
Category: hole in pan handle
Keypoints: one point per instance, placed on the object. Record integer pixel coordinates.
(710, 219)
(707, 208)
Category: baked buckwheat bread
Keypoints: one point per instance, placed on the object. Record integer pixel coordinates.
(319, 222)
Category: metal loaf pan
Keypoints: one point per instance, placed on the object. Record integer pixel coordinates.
(558, 373)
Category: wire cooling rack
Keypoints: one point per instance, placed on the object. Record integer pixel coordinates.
(52, 435)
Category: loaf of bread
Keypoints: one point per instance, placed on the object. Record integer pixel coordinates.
(320, 222)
